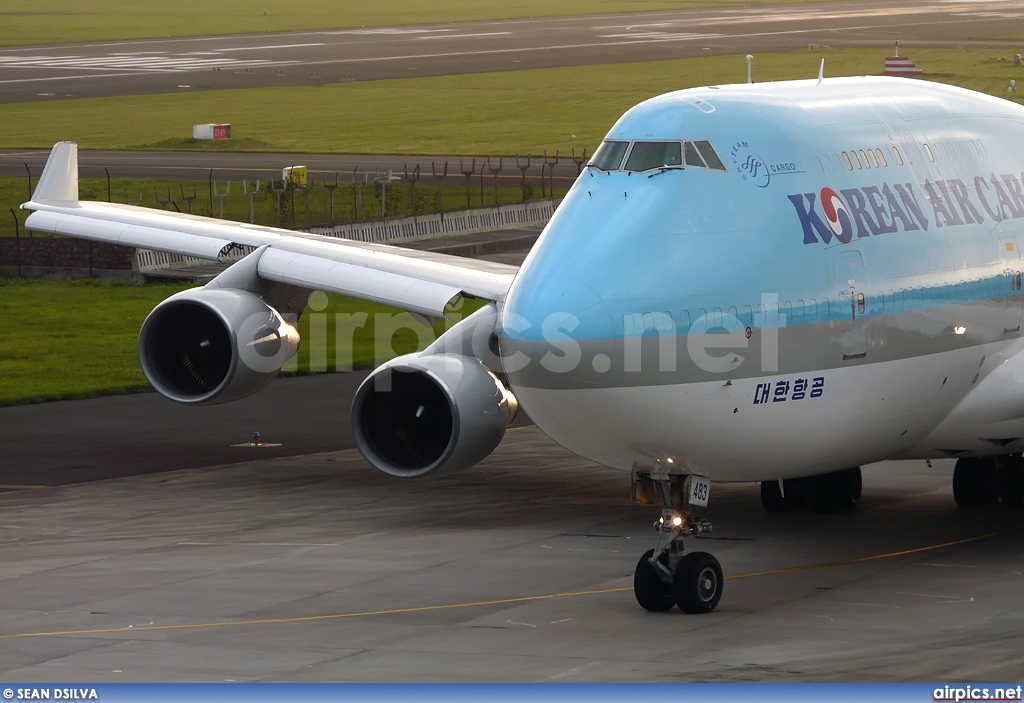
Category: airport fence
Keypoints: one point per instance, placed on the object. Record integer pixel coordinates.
(469, 195)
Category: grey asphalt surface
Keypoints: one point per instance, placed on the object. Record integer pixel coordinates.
(86, 440)
(317, 568)
(330, 56)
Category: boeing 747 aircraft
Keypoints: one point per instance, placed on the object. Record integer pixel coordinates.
(776, 282)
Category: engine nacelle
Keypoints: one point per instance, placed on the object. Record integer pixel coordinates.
(213, 345)
(420, 413)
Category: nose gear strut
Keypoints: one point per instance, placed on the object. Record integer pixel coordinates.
(665, 576)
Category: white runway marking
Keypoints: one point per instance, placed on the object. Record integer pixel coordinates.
(146, 63)
(462, 36)
(278, 46)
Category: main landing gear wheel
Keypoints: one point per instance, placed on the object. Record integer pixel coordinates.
(781, 499)
(697, 583)
(1010, 481)
(651, 591)
(975, 482)
(836, 492)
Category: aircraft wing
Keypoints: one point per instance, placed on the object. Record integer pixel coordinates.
(421, 282)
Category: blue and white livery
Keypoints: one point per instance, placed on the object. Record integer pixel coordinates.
(776, 282)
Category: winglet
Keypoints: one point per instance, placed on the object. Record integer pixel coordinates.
(59, 182)
(821, 72)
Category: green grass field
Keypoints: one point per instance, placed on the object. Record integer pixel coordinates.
(495, 113)
(64, 21)
(77, 339)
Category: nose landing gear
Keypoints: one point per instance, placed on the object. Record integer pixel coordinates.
(665, 576)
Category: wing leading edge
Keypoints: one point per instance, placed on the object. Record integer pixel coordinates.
(421, 282)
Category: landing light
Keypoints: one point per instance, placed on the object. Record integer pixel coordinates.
(677, 521)
(959, 329)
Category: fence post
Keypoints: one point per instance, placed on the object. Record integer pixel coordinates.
(440, 186)
(330, 189)
(495, 172)
(579, 161)
(412, 186)
(106, 171)
(17, 240)
(468, 174)
(305, 188)
(220, 197)
(524, 169)
(278, 192)
(252, 195)
(188, 198)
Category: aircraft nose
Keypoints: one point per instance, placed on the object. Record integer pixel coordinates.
(556, 331)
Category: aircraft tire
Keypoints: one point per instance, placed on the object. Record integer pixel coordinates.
(974, 482)
(1010, 482)
(651, 592)
(697, 584)
(773, 500)
(836, 492)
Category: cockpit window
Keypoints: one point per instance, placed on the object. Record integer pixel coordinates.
(608, 156)
(706, 150)
(649, 155)
(693, 157)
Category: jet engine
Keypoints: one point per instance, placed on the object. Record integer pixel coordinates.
(214, 345)
(423, 412)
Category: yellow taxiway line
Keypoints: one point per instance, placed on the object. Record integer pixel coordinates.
(477, 604)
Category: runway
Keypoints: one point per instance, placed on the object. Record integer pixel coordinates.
(316, 568)
(331, 56)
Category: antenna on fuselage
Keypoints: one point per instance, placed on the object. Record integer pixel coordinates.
(821, 72)
(750, 60)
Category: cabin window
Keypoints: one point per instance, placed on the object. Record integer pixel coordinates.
(856, 159)
(710, 157)
(650, 155)
(981, 148)
(928, 151)
(872, 159)
(846, 160)
(896, 155)
(608, 156)
(864, 159)
(881, 158)
(693, 157)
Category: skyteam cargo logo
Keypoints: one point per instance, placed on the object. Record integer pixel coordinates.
(754, 169)
(899, 207)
